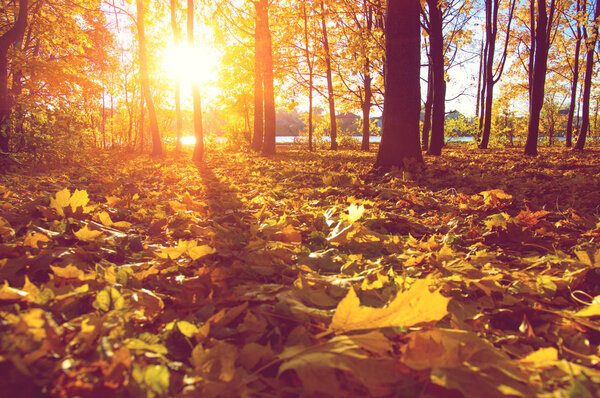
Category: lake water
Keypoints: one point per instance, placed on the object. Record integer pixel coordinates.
(285, 139)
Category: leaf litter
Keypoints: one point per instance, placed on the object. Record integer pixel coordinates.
(302, 274)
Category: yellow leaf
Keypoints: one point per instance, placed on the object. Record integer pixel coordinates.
(35, 240)
(592, 309)
(122, 224)
(8, 293)
(542, 356)
(85, 234)
(187, 329)
(355, 213)
(60, 201)
(105, 219)
(79, 199)
(413, 306)
(200, 251)
(68, 272)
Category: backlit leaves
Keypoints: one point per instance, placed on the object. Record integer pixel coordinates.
(416, 305)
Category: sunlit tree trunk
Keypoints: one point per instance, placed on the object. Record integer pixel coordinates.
(427, 111)
(536, 97)
(145, 79)
(142, 117)
(257, 137)
(268, 147)
(11, 36)
(366, 105)
(178, 116)
(402, 102)
(330, 93)
(587, 82)
(436, 41)
(196, 99)
(309, 64)
(574, 81)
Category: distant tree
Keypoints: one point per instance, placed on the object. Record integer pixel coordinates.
(145, 80)
(402, 102)
(590, 41)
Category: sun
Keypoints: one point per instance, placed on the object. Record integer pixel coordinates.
(197, 64)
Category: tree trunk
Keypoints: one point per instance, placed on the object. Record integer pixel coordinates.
(491, 26)
(257, 137)
(436, 42)
(145, 79)
(402, 103)
(268, 147)
(536, 100)
(587, 82)
(427, 112)
(196, 99)
(178, 116)
(310, 78)
(330, 94)
(366, 105)
(14, 34)
(574, 81)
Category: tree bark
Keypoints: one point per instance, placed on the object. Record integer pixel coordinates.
(427, 112)
(436, 42)
(145, 79)
(366, 105)
(178, 116)
(330, 93)
(587, 82)
(402, 103)
(310, 78)
(257, 137)
(14, 34)
(268, 147)
(198, 154)
(536, 100)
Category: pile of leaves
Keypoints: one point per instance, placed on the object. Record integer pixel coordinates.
(302, 274)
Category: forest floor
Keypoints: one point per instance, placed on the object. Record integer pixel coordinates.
(302, 274)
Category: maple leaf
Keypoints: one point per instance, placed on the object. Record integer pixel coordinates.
(409, 308)
(87, 235)
(355, 213)
(60, 201)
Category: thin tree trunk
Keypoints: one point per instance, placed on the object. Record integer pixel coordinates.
(330, 94)
(536, 100)
(587, 82)
(439, 83)
(178, 116)
(574, 82)
(268, 147)
(196, 99)
(257, 137)
(145, 78)
(427, 112)
(366, 105)
(310, 78)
